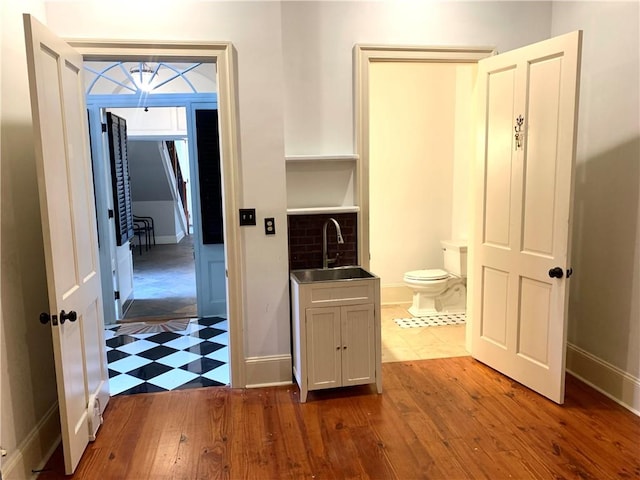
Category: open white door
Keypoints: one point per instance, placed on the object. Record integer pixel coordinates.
(70, 236)
(522, 209)
(207, 190)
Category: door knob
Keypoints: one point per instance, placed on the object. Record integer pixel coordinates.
(71, 316)
(46, 318)
(556, 272)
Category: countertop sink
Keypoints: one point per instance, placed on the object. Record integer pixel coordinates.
(336, 274)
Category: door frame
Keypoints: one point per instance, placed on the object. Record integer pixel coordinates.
(363, 56)
(223, 55)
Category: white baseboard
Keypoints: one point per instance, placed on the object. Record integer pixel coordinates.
(35, 450)
(269, 371)
(168, 239)
(608, 379)
(395, 294)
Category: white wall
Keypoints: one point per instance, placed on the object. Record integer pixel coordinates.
(166, 223)
(149, 181)
(28, 413)
(294, 67)
(604, 308)
(254, 28)
(168, 122)
(318, 40)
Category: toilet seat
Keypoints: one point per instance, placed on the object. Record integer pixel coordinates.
(427, 275)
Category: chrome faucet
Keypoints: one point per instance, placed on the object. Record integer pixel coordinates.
(325, 258)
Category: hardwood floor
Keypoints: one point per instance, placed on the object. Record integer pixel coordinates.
(438, 419)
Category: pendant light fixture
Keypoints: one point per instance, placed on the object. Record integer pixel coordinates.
(143, 76)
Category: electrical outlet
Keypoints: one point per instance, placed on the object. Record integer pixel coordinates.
(270, 226)
(247, 216)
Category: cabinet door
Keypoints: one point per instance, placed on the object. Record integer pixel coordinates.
(324, 348)
(358, 345)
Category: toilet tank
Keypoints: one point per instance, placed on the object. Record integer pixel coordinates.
(455, 256)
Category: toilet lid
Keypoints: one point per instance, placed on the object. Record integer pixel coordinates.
(434, 274)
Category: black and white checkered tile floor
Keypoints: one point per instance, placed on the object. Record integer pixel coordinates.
(155, 362)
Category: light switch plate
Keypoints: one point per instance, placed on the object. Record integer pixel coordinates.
(247, 216)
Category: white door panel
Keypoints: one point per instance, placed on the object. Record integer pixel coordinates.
(500, 105)
(535, 303)
(522, 210)
(494, 306)
(70, 236)
(216, 285)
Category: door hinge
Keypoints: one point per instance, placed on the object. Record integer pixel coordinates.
(104, 127)
(110, 213)
(116, 294)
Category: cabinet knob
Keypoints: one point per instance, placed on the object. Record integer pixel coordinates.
(338, 347)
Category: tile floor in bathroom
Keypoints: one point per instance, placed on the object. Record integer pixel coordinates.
(402, 344)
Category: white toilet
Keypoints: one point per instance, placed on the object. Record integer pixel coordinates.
(441, 291)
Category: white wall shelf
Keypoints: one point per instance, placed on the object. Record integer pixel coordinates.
(316, 210)
(348, 157)
(321, 183)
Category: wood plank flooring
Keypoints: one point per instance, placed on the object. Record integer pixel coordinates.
(436, 419)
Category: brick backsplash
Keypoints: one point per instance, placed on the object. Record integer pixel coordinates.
(305, 240)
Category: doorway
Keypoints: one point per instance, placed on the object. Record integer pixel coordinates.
(205, 331)
(155, 276)
(421, 123)
(164, 340)
(415, 111)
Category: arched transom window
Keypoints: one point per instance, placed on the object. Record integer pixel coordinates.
(141, 78)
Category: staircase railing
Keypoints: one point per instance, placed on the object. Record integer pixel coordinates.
(181, 185)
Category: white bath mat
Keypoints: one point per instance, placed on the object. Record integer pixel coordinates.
(436, 320)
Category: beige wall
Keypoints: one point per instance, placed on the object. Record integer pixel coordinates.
(420, 155)
(604, 311)
(464, 149)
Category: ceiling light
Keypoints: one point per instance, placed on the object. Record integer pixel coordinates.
(143, 76)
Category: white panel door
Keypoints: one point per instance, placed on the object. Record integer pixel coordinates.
(523, 211)
(70, 236)
(210, 258)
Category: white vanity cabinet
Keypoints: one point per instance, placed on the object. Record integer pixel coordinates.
(336, 333)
